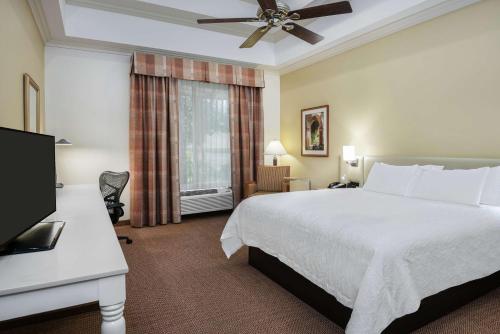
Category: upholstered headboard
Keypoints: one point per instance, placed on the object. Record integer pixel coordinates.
(448, 163)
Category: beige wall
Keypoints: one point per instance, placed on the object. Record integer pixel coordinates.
(22, 52)
(271, 105)
(88, 104)
(431, 90)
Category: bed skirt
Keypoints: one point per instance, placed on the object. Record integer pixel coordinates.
(431, 308)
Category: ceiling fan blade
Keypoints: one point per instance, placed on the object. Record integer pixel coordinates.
(342, 7)
(255, 37)
(268, 4)
(303, 33)
(229, 20)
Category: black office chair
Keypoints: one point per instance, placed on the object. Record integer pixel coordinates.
(112, 185)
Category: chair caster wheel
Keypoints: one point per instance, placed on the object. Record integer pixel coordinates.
(129, 241)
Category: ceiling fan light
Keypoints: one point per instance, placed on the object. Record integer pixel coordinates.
(277, 14)
(270, 12)
(283, 10)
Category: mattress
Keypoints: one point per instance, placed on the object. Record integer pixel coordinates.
(377, 254)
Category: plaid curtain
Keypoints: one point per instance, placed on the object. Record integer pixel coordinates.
(189, 69)
(154, 130)
(154, 151)
(247, 136)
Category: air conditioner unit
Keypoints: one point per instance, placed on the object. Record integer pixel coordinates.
(198, 201)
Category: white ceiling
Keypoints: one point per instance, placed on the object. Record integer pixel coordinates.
(169, 26)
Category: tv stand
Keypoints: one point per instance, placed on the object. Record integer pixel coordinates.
(41, 237)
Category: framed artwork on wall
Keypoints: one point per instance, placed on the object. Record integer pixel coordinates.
(315, 131)
(31, 104)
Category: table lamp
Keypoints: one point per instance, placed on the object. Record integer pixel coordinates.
(275, 148)
(61, 142)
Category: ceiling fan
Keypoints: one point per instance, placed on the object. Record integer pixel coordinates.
(278, 14)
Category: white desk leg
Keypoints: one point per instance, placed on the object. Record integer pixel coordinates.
(113, 321)
(112, 303)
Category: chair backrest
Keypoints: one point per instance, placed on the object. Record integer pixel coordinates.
(270, 178)
(112, 185)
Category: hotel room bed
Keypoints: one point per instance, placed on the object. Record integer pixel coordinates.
(379, 255)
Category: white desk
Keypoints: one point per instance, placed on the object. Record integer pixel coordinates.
(87, 265)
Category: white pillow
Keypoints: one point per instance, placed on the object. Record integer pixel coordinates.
(491, 190)
(390, 179)
(462, 186)
(420, 168)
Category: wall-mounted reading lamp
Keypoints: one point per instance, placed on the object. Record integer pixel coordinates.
(349, 155)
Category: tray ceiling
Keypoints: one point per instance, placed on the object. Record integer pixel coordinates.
(169, 26)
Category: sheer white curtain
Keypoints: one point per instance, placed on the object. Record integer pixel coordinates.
(204, 150)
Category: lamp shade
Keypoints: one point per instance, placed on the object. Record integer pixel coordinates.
(63, 142)
(275, 148)
(349, 153)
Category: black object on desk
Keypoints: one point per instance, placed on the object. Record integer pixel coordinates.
(27, 194)
(337, 185)
(41, 237)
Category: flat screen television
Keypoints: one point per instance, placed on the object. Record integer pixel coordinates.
(27, 183)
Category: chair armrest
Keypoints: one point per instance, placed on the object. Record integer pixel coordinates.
(249, 189)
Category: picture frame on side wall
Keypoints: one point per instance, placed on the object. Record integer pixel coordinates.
(31, 94)
(315, 131)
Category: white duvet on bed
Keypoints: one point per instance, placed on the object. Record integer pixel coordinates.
(377, 254)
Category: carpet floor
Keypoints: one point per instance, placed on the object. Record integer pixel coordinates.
(180, 282)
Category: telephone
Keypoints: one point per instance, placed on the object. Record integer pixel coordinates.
(336, 185)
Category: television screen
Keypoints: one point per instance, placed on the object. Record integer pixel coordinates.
(27, 181)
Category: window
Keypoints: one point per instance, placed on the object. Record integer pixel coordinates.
(204, 150)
